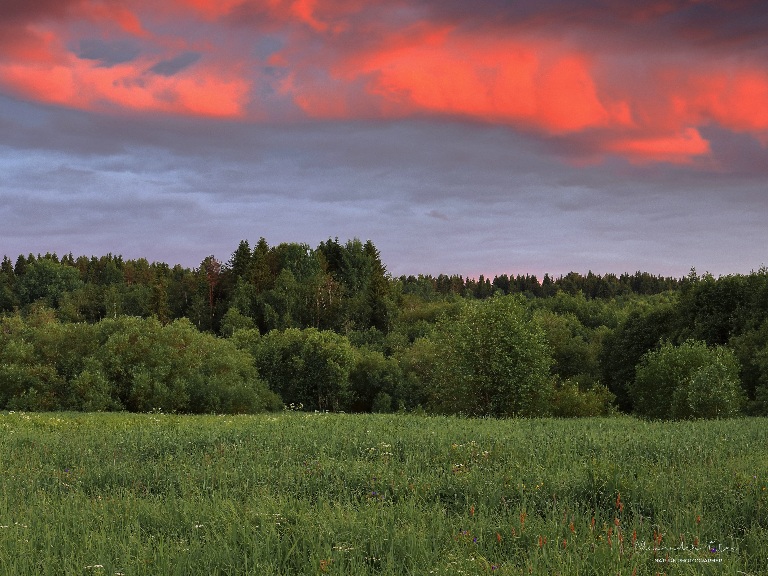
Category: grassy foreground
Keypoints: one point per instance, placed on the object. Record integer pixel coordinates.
(299, 493)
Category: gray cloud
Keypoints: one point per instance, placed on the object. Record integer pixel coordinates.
(108, 53)
(435, 197)
(175, 65)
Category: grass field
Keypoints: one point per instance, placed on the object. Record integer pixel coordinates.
(299, 493)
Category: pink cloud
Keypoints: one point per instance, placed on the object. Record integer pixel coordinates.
(349, 59)
(428, 70)
(82, 84)
(678, 148)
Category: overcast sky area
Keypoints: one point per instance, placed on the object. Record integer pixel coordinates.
(460, 137)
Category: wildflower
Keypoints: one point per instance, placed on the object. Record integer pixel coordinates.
(565, 543)
(472, 510)
(464, 536)
(572, 528)
(542, 541)
(498, 537)
(657, 538)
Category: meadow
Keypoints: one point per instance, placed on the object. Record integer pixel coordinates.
(318, 493)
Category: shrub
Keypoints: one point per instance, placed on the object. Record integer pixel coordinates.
(309, 367)
(569, 401)
(127, 363)
(382, 403)
(373, 375)
(491, 360)
(687, 381)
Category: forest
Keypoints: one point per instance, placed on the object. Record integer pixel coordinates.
(329, 329)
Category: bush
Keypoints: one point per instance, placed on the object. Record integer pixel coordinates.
(382, 403)
(373, 375)
(491, 360)
(687, 381)
(751, 349)
(568, 401)
(309, 367)
(90, 391)
(127, 363)
(178, 368)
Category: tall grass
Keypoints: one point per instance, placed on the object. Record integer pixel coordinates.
(300, 493)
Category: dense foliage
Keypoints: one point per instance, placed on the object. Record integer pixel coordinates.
(493, 360)
(687, 381)
(329, 329)
(127, 363)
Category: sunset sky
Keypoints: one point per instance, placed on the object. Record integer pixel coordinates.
(483, 137)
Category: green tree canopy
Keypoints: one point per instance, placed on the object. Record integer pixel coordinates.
(126, 363)
(309, 367)
(491, 360)
(47, 280)
(687, 381)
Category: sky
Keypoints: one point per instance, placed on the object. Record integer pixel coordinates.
(485, 137)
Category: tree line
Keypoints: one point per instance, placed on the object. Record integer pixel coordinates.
(328, 328)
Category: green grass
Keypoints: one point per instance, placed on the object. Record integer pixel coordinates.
(299, 493)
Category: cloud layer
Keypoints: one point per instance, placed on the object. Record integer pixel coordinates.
(462, 137)
(637, 80)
